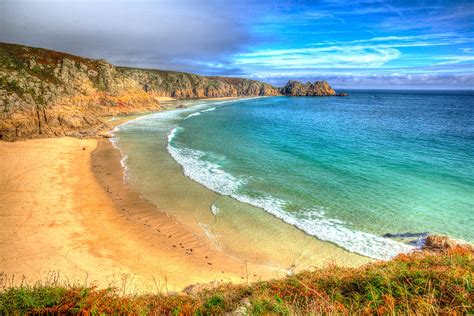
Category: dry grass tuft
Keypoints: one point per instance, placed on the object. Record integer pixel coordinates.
(426, 282)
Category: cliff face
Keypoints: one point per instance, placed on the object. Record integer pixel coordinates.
(318, 88)
(44, 93)
(181, 85)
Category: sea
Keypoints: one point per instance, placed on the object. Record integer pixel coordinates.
(372, 173)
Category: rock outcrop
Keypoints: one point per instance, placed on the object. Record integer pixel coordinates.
(45, 93)
(181, 85)
(318, 88)
(438, 243)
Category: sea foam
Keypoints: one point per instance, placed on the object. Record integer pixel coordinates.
(214, 209)
(208, 110)
(312, 222)
(212, 237)
(207, 173)
(192, 114)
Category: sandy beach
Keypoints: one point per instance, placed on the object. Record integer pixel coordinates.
(66, 210)
(56, 217)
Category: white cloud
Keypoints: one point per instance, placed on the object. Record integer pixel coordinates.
(320, 57)
(389, 80)
(451, 60)
(437, 39)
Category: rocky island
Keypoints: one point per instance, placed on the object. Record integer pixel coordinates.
(44, 93)
(318, 88)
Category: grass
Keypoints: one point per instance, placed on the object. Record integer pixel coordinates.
(10, 86)
(419, 283)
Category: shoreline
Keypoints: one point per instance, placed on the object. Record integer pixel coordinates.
(77, 217)
(58, 217)
(192, 204)
(163, 233)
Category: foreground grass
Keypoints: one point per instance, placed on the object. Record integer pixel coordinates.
(418, 283)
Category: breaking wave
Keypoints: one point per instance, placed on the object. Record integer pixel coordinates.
(312, 222)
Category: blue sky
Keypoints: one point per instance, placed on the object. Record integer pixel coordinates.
(352, 44)
(426, 43)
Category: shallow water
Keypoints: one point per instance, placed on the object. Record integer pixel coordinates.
(345, 170)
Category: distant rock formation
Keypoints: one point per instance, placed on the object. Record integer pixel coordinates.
(180, 85)
(318, 88)
(44, 93)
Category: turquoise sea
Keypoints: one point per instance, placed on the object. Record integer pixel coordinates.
(372, 173)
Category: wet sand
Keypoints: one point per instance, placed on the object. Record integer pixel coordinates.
(56, 216)
(65, 209)
(240, 230)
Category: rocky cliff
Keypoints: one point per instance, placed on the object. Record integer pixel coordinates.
(181, 85)
(44, 93)
(318, 88)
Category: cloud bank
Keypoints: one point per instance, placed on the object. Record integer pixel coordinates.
(180, 35)
(365, 43)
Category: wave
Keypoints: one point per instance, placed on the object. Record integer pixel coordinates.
(212, 237)
(207, 173)
(192, 114)
(199, 113)
(123, 161)
(173, 134)
(208, 110)
(312, 222)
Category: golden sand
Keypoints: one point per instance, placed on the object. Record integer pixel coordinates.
(56, 216)
(64, 208)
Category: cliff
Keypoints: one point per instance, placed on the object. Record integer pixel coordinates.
(45, 93)
(318, 88)
(181, 85)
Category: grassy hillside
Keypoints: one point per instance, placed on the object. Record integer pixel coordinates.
(425, 283)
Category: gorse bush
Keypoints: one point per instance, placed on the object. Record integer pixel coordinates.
(417, 283)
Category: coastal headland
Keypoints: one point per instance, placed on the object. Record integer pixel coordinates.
(45, 93)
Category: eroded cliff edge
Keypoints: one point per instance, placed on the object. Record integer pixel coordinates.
(44, 93)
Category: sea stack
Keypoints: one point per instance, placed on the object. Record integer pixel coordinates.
(318, 88)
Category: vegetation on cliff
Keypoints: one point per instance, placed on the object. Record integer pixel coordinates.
(45, 93)
(437, 281)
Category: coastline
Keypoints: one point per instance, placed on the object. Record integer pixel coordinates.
(247, 233)
(68, 210)
(59, 218)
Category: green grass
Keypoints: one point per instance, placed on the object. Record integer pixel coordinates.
(418, 283)
(10, 86)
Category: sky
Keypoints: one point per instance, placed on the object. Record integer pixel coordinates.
(352, 44)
